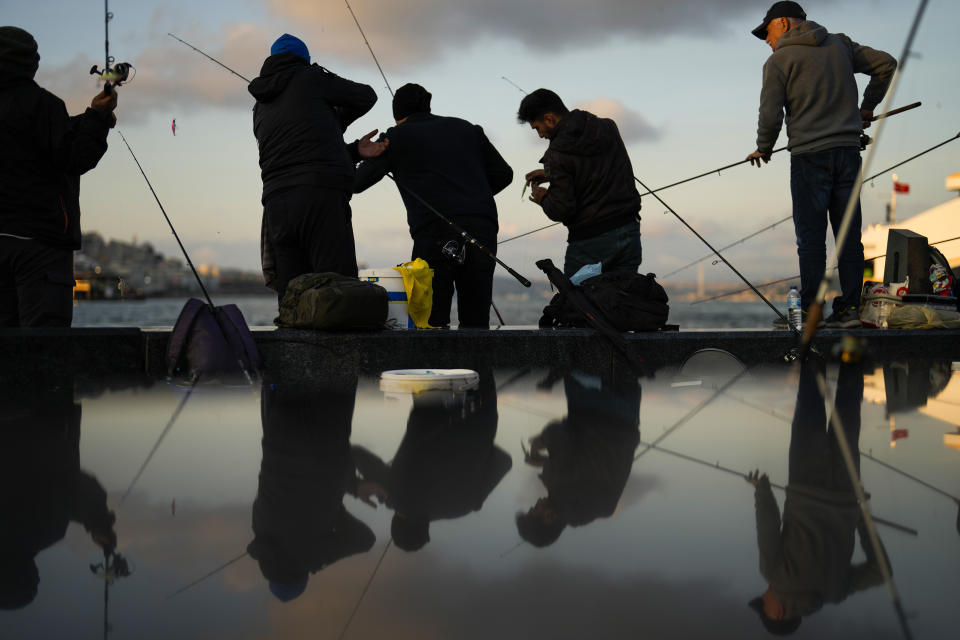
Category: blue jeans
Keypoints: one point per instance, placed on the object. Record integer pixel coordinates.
(618, 249)
(821, 184)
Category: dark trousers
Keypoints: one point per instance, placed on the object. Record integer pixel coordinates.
(618, 249)
(307, 230)
(473, 280)
(821, 184)
(36, 284)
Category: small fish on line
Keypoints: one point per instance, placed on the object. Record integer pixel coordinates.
(173, 126)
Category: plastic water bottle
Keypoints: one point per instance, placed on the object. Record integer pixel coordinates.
(794, 317)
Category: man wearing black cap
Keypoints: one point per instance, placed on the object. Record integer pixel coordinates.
(301, 114)
(45, 152)
(451, 165)
(810, 76)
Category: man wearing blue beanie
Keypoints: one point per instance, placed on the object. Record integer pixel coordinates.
(307, 169)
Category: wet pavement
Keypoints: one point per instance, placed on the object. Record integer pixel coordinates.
(530, 504)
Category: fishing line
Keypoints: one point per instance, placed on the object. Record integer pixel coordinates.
(773, 282)
(816, 309)
(162, 210)
(790, 217)
(725, 261)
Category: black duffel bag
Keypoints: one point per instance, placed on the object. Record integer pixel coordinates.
(629, 301)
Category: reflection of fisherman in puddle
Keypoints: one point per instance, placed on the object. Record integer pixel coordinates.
(300, 524)
(806, 561)
(43, 488)
(447, 463)
(585, 458)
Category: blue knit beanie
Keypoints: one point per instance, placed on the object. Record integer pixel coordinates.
(290, 44)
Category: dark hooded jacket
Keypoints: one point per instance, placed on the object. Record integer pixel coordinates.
(301, 113)
(448, 162)
(592, 188)
(45, 152)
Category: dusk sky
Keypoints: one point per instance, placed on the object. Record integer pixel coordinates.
(681, 79)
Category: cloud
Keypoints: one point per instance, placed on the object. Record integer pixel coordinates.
(406, 31)
(633, 126)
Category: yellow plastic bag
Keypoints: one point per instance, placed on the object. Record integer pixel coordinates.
(418, 282)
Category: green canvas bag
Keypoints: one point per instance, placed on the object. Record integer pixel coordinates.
(332, 302)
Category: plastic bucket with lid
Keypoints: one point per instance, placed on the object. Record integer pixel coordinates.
(392, 281)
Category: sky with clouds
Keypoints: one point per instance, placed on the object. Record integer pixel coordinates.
(681, 78)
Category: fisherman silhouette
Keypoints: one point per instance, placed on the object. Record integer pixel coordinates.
(805, 558)
(42, 487)
(586, 457)
(446, 465)
(300, 524)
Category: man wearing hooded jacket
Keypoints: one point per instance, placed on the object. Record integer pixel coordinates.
(592, 188)
(45, 151)
(810, 78)
(301, 114)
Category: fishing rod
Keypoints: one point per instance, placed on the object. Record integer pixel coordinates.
(781, 280)
(725, 261)
(210, 58)
(514, 84)
(790, 217)
(815, 312)
(719, 467)
(717, 171)
(163, 434)
(369, 48)
(162, 210)
(111, 73)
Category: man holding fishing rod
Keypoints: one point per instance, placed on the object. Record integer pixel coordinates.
(592, 188)
(810, 76)
(450, 164)
(307, 169)
(45, 151)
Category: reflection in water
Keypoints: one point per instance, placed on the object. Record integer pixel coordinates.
(446, 464)
(585, 458)
(43, 489)
(807, 560)
(300, 524)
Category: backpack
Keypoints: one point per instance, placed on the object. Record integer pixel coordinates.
(209, 341)
(330, 301)
(938, 259)
(630, 301)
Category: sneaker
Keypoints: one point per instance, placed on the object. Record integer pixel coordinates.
(849, 318)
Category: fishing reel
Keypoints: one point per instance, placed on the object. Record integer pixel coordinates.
(455, 251)
(115, 74)
(864, 141)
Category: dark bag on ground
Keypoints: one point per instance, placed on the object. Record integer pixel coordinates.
(629, 301)
(331, 302)
(210, 341)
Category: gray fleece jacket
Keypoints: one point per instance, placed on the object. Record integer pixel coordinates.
(810, 77)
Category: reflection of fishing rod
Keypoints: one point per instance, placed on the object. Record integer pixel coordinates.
(718, 467)
(790, 217)
(781, 280)
(815, 312)
(110, 573)
(365, 588)
(868, 518)
(208, 575)
(163, 434)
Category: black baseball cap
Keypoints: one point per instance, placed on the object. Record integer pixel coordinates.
(779, 10)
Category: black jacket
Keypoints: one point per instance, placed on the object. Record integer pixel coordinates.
(301, 113)
(44, 152)
(449, 163)
(592, 187)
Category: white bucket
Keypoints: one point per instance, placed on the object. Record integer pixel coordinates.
(392, 281)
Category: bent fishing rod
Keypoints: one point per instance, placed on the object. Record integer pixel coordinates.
(736, 164)
(797, 277)
(815, 312)
(790, 217)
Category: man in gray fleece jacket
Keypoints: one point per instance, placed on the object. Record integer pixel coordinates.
(810, 78)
